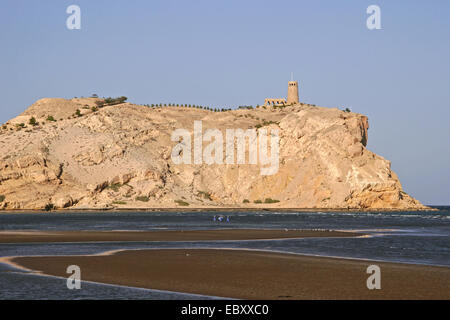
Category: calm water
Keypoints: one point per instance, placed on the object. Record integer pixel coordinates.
(411, 237)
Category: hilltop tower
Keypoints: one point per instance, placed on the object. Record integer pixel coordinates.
(292, 96)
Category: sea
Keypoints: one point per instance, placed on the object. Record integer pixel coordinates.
(403, 236)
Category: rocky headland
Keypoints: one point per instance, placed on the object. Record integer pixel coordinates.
(86, 154)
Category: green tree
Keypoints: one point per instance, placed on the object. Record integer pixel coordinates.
(122, 99)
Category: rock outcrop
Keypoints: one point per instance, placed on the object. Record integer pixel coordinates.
(120, 157)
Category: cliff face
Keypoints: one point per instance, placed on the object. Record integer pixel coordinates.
(120, 156)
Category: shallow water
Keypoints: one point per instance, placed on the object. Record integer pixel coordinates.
(411, 237)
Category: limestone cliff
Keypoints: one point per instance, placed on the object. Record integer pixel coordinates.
(120, 157)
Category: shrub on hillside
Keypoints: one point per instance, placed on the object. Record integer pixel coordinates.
(205, 195)
(115, 187)
(100, 103)
(181, 203)
(142, 199)
(113, 101)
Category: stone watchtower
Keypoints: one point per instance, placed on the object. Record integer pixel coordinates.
(292, 96)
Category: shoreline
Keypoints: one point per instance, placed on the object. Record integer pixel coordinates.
(218, 209)
(19, 237)
(247, 274)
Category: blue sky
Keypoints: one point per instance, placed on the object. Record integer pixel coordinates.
(229, 53)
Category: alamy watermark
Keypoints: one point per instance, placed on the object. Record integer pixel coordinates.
(73, 22)
(374, 280)
(374, 20)
(74, 280)
(235, 139)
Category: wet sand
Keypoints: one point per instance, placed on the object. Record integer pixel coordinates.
(249, 274)
(190, 235)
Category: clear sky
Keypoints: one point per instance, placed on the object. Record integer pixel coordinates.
(237, 52)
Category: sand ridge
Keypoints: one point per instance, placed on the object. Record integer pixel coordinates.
(250, 274)
(167, 235)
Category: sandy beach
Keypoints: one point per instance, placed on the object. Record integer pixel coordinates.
(231, 273)
(249, 274)
(190, 235)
